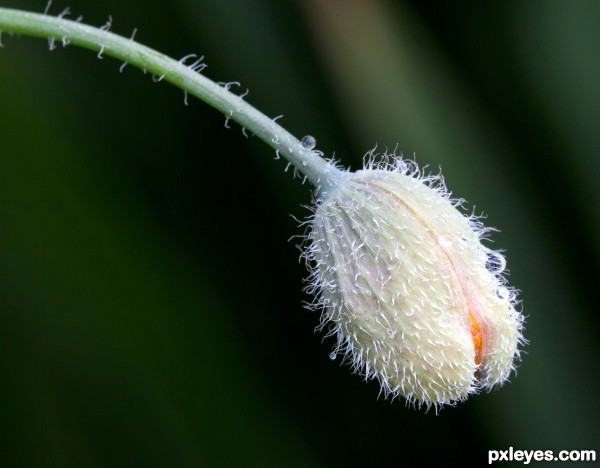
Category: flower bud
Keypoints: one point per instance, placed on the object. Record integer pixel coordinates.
(405, 284)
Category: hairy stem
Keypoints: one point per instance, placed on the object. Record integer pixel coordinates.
(318, 171)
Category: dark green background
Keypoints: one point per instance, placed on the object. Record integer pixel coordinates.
(150, 302)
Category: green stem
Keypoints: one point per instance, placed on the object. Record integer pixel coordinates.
(317, 170)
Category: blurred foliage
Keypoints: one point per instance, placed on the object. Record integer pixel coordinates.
(150, 303)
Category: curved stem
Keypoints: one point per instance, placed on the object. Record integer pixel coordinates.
(317, 170)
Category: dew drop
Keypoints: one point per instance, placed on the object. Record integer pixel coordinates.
(444, 241)
(309, 142)
(401, 166)
(496, 263)
(332, 355)
(503, 293)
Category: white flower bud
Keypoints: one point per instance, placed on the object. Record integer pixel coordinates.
(406, 285)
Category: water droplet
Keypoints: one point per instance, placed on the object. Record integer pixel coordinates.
(401, 166)
(409, 312)
(309, 142)
(444, 241)
(503, 293)
(332, 355)
(496, 263)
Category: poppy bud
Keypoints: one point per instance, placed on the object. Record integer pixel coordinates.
(406, 285)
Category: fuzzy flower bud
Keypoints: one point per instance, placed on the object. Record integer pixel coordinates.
(405, 284)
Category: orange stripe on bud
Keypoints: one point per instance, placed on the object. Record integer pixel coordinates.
(477, 338)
